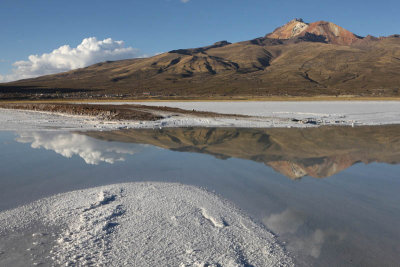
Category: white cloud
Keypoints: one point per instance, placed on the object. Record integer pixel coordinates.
(91, 150)
(185, 1)
(66, 58)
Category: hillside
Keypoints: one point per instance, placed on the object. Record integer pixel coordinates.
(297, 59)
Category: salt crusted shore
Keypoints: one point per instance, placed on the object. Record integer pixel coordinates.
(234, 114)
(136, 224)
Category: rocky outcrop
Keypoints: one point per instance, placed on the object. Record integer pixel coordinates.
(290, 30)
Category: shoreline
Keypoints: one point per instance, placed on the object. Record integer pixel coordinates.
(215, 99)
(242, 114)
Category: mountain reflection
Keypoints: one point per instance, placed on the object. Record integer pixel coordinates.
(317, 152)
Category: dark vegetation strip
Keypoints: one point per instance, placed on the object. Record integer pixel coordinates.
(108, 112)
(112, 112)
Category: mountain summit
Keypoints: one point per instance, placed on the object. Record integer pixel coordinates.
(321, 31)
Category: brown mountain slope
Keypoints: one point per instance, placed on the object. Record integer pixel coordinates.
(317, 152)
(310, 62)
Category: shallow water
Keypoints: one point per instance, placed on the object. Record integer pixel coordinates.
(329, 194)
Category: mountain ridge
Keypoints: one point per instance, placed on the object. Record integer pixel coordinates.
(297, 59)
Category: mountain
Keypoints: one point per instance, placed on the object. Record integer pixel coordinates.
(297, 59)
(315, 152)
(320, 31)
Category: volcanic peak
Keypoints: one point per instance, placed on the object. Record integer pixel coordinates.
(320, 30)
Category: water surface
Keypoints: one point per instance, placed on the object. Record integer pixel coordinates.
(329, 194)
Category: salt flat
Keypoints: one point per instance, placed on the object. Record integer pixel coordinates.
(261, 114)
(362, 112)
(141, 224)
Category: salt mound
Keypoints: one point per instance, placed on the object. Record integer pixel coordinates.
(147, 224)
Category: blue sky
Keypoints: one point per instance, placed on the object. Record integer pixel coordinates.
(35, 27)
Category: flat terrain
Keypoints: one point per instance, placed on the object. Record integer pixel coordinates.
(112, 112)
(259, 114)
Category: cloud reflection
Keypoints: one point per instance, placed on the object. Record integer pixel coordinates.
(287, 224)
(91, 150)
(310, 245)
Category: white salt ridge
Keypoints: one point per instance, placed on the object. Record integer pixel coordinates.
(148, 224)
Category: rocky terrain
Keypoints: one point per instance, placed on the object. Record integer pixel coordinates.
(316, 152)
(297, 59)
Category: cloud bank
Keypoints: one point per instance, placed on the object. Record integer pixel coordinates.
(66, 58)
